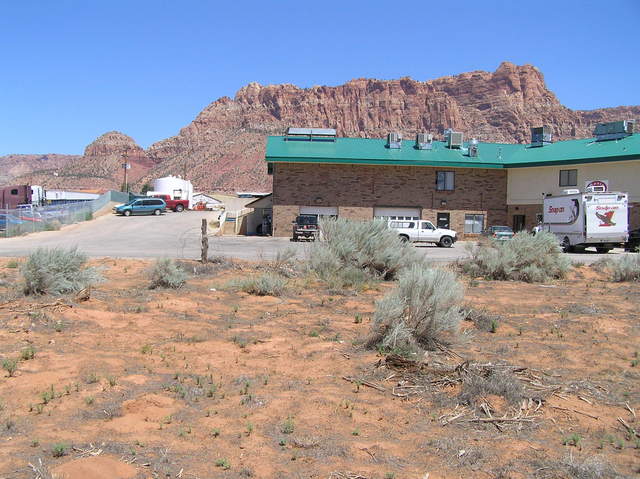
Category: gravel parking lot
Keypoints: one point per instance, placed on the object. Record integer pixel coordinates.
(177, 235)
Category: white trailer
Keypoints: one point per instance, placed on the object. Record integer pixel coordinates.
(592, 218)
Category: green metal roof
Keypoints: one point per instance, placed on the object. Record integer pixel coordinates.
(364, 151)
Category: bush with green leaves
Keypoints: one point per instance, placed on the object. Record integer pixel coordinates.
(350, 253)
(626, 268)
(418, 313)
(267, 284)
(534, 259)
(57, 271)
(165, 273)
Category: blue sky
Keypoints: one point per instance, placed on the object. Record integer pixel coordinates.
(72, 70)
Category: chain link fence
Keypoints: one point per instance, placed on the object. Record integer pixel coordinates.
(31, 219)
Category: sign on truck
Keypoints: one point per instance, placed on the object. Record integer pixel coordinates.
(580, 220)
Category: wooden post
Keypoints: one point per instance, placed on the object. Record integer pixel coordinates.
(204, 250)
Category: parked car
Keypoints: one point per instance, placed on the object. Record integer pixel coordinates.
(500, 233)
(423, 232)
(305, 226)
(9, 219)
(633, 243)
(174, 205)
(141, 206)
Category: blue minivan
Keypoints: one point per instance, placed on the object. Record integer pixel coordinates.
(141, 206)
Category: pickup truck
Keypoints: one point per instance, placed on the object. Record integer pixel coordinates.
(174, 205)
(305, 226)
(423, 232)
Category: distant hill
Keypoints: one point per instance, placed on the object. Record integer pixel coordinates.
(222, 149)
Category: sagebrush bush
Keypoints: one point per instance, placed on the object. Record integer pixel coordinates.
(353, 252)
(534, 259)
(267, 284)
(165, 273)
(417, 313)
(626, 268)
(57, 271)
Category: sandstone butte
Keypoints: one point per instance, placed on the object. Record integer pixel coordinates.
(222, 149)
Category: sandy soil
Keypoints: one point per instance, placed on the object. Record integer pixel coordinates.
(206, 382)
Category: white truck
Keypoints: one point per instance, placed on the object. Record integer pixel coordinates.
(420, 231)
(583, 219)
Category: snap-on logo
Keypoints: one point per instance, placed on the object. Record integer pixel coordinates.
(555, 210)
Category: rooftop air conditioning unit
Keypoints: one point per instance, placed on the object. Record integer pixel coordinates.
(424, 141)
(453, 139)
(614, 130)
(540, 136)
(473, 148)
(394, 140)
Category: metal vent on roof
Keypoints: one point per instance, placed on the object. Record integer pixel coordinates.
(310, 134)
(613, 130)
(424, 141)
(394, 140)
(540, 136)
(473, 148)
(453, 139)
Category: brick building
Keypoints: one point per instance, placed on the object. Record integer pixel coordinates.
(465, 186)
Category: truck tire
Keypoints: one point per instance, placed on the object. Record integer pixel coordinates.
(404, 238)
(566, 245)
(295, 238)
(156, 212)
(446, 242)
(602, 250)
(179, 208)
(127, 212)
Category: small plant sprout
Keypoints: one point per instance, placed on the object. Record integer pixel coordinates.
(249, 429)
(112, 380)
(215, 432)
(10, 366)
(58, 450)
(287, 426)
(223, 463)
(89, 400)
(494, 326)
(28, 353)
(572, 440)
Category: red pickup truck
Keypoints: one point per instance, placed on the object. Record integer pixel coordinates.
(175, 205)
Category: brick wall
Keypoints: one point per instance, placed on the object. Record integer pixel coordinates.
(357, 189)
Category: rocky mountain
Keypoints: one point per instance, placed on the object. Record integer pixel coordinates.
(223, 148)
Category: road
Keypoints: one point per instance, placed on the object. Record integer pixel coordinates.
(177, 235)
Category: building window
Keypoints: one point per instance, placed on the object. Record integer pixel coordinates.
(568, 177)
(14, 192)
(444, 180)
(473, 224)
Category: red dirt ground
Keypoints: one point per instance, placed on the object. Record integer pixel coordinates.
(207, 382)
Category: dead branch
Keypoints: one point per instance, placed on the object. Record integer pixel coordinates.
(576, 411)
(629, 429)
(364, 383)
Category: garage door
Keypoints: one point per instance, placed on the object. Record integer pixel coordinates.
(396, 213)
(319, 210)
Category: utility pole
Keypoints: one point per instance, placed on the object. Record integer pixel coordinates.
(125, 167)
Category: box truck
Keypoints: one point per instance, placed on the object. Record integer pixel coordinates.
(592, 218)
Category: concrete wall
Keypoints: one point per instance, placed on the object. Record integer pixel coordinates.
(526, 185)
(357, 189)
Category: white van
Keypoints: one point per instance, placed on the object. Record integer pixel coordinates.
(421, 231)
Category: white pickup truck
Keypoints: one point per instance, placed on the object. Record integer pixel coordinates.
(420, 231)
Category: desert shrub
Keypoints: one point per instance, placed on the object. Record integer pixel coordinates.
(366, 246)
(424, 305)
(491, 382)
(534, 259)
(283, 264)
(626, 268)
(57, 271)
(53, 225)
(166, 274)
(483, 319)
(267, 284)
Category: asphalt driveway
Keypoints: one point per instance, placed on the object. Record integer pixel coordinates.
(177, 235)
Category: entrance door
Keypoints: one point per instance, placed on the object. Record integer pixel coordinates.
(518, 222)
(443, 220)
